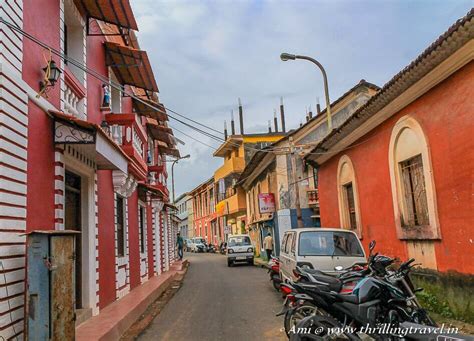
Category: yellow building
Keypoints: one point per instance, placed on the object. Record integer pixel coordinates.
(236, 151)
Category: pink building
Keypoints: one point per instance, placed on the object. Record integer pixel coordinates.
(84, 152)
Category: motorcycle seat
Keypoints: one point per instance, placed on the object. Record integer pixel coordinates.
(349, 298)
(333, 283)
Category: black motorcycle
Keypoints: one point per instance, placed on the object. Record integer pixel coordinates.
(211, 248)
(380, 297)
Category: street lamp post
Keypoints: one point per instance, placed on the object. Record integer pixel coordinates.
(287, 56)
(172, 173)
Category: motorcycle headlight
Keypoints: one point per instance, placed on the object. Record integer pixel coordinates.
(230, 251)
(249, 249)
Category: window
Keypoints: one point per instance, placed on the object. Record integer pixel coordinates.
(349, 213)
(350, 205)
(288, 243)
(120, 226)
(329, 244)
(413, 188)
(142, 228)
(414, 192)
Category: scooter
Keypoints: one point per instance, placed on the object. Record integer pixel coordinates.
(211, 248)
(274, 271)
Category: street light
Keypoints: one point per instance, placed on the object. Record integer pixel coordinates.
(172, 172)
(288, 56)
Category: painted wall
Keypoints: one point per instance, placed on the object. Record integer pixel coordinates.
(444, 113)
(133, 240)
(106, 238)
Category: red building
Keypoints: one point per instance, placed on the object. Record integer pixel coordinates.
(204, 213)
(400, 169)
(84, 152)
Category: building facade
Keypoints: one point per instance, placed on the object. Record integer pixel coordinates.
(183, 205)
(269, 174)
(83, 138)
(236, 151)
(204, 214)
(399, 169)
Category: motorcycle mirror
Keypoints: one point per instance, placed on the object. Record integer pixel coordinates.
(372, 245)
(338, 268)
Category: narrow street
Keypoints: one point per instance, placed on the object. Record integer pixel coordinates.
(220, 303)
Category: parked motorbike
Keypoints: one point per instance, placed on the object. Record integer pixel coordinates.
(223, 248)
(370, 296)
(274, 271)
(211, 248)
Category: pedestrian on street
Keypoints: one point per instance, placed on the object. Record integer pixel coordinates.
(180, 244)
(268, 245)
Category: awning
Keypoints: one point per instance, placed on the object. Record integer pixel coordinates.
(153, 190)
(90, 139)
(161, 133)
(131, 66)
(141, 108)
(116, 12)
(169, 151)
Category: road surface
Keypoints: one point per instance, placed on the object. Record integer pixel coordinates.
(216, 302)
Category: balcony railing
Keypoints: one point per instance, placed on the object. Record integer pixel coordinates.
(126, 131)
(73, 95)
(313, 197)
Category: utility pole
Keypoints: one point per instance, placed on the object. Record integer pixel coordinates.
(299, 216)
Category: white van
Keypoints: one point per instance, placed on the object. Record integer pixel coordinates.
(319, 248)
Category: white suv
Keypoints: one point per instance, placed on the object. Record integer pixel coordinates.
(239, 249)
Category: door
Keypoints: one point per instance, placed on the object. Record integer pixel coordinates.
(73, 221)
(284, 257)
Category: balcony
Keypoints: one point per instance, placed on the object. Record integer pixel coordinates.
(234, 165)
(313, 197)
(127, 131)
(73, 95)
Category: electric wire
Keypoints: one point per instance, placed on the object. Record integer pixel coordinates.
(119, 87)
(137, 98)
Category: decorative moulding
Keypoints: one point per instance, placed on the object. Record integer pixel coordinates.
(124, 184)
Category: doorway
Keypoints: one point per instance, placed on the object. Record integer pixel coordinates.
(73, 221)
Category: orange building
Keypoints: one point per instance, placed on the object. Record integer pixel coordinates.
(399, 170)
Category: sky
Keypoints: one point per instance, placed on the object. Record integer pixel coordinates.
(207, 54)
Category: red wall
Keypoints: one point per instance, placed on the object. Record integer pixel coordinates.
(40, 174)
(445, 113)
(149, 234)
(40, 19)
(133, 241)
(106, 238)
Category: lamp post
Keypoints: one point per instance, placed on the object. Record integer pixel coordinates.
(172, 172)
(287, 56)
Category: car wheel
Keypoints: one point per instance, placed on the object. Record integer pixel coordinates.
(251, 262)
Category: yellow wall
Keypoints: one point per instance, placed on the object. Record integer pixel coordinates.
(234, 165)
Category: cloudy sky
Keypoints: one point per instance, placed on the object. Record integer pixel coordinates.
(207, 54)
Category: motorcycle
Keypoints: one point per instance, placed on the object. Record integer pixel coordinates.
(211, 248)
(379, 296)
(274, 271)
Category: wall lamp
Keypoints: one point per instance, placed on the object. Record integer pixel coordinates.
(51, 76)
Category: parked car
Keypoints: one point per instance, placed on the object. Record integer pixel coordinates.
(198, 244)
(187, 245)
(319, 248)
(239, 249)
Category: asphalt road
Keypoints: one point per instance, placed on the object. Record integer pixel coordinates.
(216, 302)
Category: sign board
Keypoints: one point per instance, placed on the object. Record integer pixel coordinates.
(227, 229)
(266, 203)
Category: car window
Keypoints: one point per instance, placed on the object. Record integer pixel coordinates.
(239, 241)
(288, 243)
(283, 243)
(315, 243)
(293, 244)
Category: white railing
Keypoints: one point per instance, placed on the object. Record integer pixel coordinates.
(116, 133)
(137, 142)
(72, 103)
